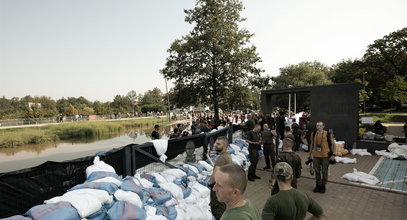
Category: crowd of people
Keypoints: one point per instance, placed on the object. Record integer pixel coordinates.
(228, 181)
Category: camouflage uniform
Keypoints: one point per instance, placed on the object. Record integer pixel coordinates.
(295, 162)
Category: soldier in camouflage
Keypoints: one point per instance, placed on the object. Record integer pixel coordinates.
(290, 157)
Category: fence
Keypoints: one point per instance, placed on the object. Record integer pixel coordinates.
(20, 190)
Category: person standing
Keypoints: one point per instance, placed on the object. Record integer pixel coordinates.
(289, 203)
(221, 146)
(290, 157)
(321, 152)
(230, 184)
(155, 135)
(268, 146)
(254, 140)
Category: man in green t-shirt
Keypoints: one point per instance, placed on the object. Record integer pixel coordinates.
(289, 203)
(230, 184)
(221, 146)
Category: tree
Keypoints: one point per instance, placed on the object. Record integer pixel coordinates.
(385, 59)
(395, 90)
(121, 104)
(153, 100)
(348, 71)
(71, 110)
(215, 55)
(133, 97)
(302, 74)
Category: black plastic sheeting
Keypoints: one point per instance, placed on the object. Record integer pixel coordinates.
(20, 190)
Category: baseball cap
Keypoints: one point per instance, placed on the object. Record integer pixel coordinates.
(283, 169)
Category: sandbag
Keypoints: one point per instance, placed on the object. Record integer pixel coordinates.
(108, 187)
(126, 210)
(17, 217)
(128, 196)
(168, 211)
(99, 166)
(129, 185)
(101, 174)
(60, 210)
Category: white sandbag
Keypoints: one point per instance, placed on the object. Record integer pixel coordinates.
(362, 177)
(171, 202)
(174, 172)
(206, 165)
(237, 160)
(386, 154)
(99, 166)
(361, 152)
(108, 179)
(345, 160)
(151, 213)
(202, 190)
(191, 199)
(83, 200)
(161, 146)
(160, 179)
(142, 182)
(399, 150)
(194, 169)
(174, 189)
(181, 215)
(170, 178)
(234, 147)
(128, 196)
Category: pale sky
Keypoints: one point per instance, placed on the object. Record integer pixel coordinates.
(101, 48)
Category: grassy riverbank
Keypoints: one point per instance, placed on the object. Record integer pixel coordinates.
(35, 135)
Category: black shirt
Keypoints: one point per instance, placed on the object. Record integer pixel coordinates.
(155, 135)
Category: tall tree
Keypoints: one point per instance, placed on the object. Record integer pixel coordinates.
(215, 55)
(302, 74)
(395, 90)
(385, 59)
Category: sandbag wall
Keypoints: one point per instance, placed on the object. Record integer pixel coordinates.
(20, 190)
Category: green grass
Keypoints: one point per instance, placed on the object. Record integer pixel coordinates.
(383, 117)
(37, 135)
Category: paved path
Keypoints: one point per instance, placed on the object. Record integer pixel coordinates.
(343, 199)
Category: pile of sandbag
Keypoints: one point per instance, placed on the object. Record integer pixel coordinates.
(394, 151)
(357, 176)
(179, 193)
(339, 148)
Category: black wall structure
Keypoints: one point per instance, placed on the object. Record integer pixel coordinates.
(336, 105)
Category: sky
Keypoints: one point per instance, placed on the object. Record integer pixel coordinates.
(102, 48)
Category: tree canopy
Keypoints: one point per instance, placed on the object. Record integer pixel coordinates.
(302, 74)
(215, 55)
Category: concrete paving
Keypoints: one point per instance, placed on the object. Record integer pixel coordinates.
(343, 199)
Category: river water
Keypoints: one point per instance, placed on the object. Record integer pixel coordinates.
(26, 156)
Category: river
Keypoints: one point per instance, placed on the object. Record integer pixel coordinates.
(26, 156)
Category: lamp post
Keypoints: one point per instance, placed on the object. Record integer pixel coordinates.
(289, 102)
(168, 99)
(364, 88)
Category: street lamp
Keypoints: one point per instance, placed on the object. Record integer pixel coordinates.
(168, 99)
(289, 102)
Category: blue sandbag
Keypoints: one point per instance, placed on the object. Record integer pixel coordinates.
(199, 166)
(60, 210)
(158, 195)
(230, 150)
(17, 217)
(101, 214)
(108, 187)
(150, 178)
(188, 171)
(205, 182)
(129, 185)
(125, 210)
(168, 211)
(102, 174)
(186, 191)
